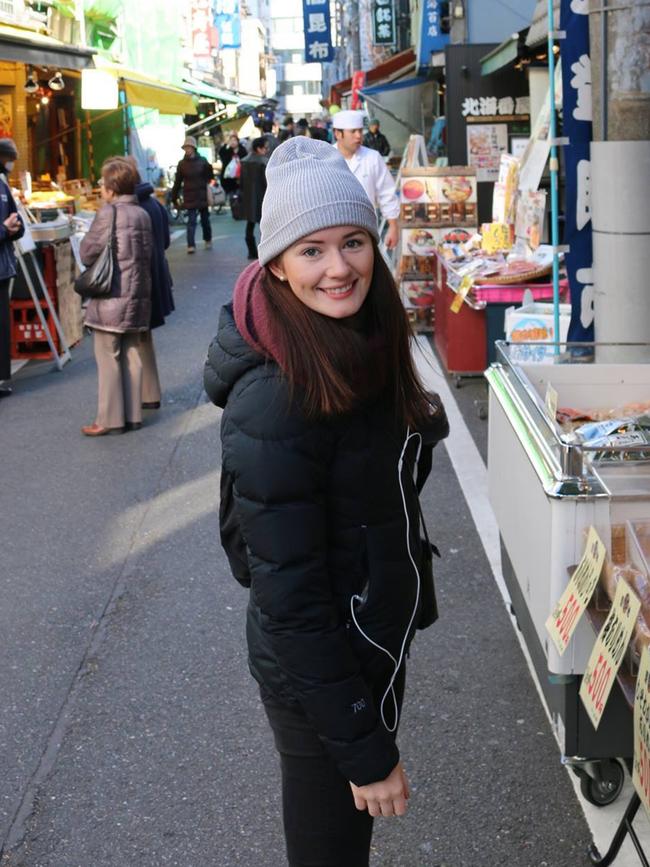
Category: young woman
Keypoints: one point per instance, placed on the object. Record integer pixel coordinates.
(119, 320)
(324, 420)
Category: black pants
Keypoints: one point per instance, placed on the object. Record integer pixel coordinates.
(5, 331)
(322, 826)
(251, 243)
(205, 224)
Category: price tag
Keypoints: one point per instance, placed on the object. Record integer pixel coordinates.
(608, 652)
(641, 768)
(563, 621)
(551, 401)
(461, 293)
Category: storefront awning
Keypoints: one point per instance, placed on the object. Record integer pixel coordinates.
(538, 33)
(505, 54)
(200, 88)
(398, 64)
(28, 46)
(401, 83)
(148, 92)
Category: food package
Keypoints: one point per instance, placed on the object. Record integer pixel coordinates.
(509, 177)
(529, 221)
(499, 203)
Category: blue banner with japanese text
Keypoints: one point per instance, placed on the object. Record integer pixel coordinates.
(228, 23)
(318, 34)
(432, 35)
(576, 97)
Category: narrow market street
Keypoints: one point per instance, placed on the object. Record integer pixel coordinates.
(131, 734)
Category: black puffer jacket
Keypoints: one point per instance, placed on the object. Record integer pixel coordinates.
(312, 514)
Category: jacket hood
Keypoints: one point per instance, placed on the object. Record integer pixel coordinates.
(230, 358)
(143, 191)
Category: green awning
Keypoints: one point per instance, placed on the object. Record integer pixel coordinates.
(502, 55)
(200, 88)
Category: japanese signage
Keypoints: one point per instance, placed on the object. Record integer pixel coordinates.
(358, 81)
(576, 97)
(204, 34)
(492, 106)
(485, 144)
(570, 608)
(318, 36)
(641, 772)
(227, 22)
(608, 652)
(383, 22)
(432, 37)
(7, 115)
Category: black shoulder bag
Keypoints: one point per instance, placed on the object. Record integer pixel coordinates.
(428, 605)
(97, 280)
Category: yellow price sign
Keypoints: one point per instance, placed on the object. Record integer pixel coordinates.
(461, 293)
(563, 621)
(495, 237)
(641, 767)
(609, 649)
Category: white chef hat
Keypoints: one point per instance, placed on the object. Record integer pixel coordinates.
(348, 119)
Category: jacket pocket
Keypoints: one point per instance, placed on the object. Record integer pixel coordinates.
(232, 539)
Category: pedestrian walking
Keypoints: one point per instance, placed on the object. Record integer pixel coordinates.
(369, 169)
(11, 228)
(193, 174)
(231, 153)
(324, 421)
(267, 134)
(253, 187)
(117, 321)
(162, 298)
(375, 139)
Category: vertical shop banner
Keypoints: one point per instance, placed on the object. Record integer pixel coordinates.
(383, 22)
(227, 22)
(358, 82)
(204, 34)
(576, 98)
(318, 33)
(431, 34)
(641, 768)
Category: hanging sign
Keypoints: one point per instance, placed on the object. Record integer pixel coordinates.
(431, 36)
(318, 34)
(563, 621)
(358, 82)
(383, 22)
(641, 768)
(228, 23)
(608, 652)
(576, 126)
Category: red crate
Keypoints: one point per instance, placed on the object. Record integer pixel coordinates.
(28, 338)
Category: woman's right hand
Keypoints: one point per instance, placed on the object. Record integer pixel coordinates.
(12, 223)
(385, 798)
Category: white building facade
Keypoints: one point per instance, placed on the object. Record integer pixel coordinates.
(298, 85)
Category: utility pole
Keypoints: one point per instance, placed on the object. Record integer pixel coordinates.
(620, 167)
(352, 30)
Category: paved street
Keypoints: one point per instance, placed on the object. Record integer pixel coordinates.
(130, 731)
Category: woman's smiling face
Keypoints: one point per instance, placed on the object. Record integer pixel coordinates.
(329, 270)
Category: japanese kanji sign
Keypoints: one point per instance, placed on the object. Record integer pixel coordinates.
(227, 22)
(431, 36)
(482, 106)
(318, 36)
(563, 621)
(383, 22)
(641, 773)
(608, 652)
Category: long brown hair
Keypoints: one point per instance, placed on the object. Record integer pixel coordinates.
(335, 366)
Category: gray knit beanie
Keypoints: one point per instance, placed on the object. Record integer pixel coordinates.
(309, 187)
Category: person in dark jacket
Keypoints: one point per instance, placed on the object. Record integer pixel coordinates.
(118, 319)
(162, 299)
(227, 153)
(324, 427)
(193, 174)
(11, 228)
(253, 187)
(375, 139)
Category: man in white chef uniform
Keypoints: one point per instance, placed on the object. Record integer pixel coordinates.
(369, 168)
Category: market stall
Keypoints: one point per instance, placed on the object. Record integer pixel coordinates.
(576, 438)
